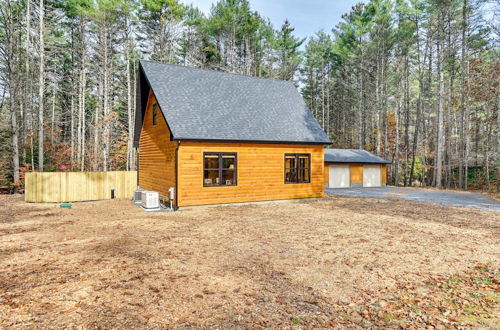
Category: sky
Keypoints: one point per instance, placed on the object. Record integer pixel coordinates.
(306, 16)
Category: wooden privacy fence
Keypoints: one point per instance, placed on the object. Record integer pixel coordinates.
(78, 186)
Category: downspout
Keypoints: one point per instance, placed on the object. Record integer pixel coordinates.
(177, 175)
(137, 164)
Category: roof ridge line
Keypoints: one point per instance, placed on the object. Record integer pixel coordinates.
(217, 71)
(348, 149)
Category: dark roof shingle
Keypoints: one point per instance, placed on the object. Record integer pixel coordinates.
(211, 105)
(352, 156)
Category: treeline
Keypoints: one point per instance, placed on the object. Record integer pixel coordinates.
(417, 82)
(68, 72)
(414, 81)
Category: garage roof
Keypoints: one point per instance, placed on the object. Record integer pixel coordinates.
(352, 156)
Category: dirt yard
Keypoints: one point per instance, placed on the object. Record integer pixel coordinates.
(341, 262)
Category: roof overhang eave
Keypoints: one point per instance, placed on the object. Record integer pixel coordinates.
(181, 139)
(356, 162)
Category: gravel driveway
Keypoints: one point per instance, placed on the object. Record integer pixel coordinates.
(470, 200)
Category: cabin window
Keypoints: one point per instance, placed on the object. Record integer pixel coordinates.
(155, 114)
(297, 168)
(219, 169)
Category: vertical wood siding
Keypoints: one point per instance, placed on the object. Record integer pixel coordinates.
(156, 153)
(52, 187)
(356, 173)
(326, 172)
(260, 173)
(383, 169)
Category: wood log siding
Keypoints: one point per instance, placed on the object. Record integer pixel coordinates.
(260, 173)
(326, 174)
(156, 153)
(383, 169)
(356, 173)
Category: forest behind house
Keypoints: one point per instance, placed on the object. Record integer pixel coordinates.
(414, 81)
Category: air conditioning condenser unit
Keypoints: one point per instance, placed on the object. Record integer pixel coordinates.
(137, 198)
(150, 200)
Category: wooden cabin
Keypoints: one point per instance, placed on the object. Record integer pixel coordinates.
(221, 138)
(351, 168)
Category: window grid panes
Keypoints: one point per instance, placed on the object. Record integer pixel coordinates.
(155, 114)
(297, 168)
(219, 169)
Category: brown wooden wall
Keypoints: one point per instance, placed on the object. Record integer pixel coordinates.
(356, 173)
(326, 174)
(156, 153)
(260, 173)
(383, 168)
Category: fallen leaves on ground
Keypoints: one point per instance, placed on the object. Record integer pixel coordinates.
(332, 262)
(469, 299)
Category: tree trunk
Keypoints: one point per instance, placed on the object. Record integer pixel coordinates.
(420, 63)
(498, 115)
(487, 159)
(449, 108)
(15, 143)
(12, 83)
(82, 109)
(129, 109)
(361, 111)
(407, 116)
(41, 86)
(106, 138)
(323, 95)
(384, 114)
(448, 131)
(28, 129)
(461, 155)
(53, 118)
(328, 112)
(439, 146)
(97, 113)
(377, 110)
(396, 139)
(72, 129)
(134, 150)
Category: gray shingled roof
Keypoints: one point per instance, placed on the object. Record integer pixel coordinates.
(211, 105)
(352, 156)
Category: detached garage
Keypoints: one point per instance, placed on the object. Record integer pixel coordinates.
(346, 168)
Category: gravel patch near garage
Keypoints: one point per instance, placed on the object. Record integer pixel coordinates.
(461, 199)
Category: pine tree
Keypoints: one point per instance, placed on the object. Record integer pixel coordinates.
(288, 53)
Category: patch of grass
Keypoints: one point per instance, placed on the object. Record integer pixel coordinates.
(472, 309)
(295, 320)
(389, 318)
(416, 311)
(483, 281)
(492, 296)
(484, 269)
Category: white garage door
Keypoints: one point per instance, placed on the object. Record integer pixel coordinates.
(372, 176)
(339, 176)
